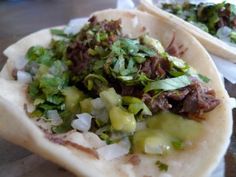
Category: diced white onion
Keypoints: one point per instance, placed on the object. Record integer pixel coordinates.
(78, 138)
(24, 77)
(20, 63)
(113, 151)
(97, 103)
(93, 140)
(83, 123)
(55, 117)
(99, 110)
(100, 114)
(223, 33)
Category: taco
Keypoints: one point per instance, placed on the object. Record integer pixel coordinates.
(212, 24)
(116, 99)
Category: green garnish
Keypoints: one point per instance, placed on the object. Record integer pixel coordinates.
(233, 36)
(207, 16)
(58, 32)
(203, 78)
(178, 144)
(162, 166)
(118, 81)
(169, 84)
(136, 105)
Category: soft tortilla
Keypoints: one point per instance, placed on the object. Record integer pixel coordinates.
(213, 44)
(199, 161)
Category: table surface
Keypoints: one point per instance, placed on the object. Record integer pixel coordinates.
(19, 18)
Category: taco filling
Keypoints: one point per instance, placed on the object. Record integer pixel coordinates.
(217, 19)
(130, 92)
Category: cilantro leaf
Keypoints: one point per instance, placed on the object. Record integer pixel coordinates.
(233, 36)
(59, 48)
(51, 85)
(95, 82)
(58, 32)
(40, 55)
(168, 84)
(162, 166)
(33, 89)
(136, 105)
(178, 144)
(55, 99)
(203, 78)
(232, 11)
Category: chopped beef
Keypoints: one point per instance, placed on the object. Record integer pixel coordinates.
(234, 22)
(78, 55)
(224, 16)
(155, 67)
(78, 51)
(192, 100)
(200, 99)
(177, 95)
(156, 104)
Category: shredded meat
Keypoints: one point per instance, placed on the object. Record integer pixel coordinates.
(224, 16)
(192, 100)
(77, 51)
(200, 99)
(78, 54)
(155, 67)
(234, 22)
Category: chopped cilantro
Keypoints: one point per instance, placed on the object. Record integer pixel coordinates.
(58, 32)
(72, 71)
(203, 78)
(40, 55)
(209, 17)
(178, 144)
(233, 36)
(162, 166)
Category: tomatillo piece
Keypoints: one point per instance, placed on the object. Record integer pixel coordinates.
(121, 120)
(176, 126)
(110, 98)
(72, 98)
(151, 141)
